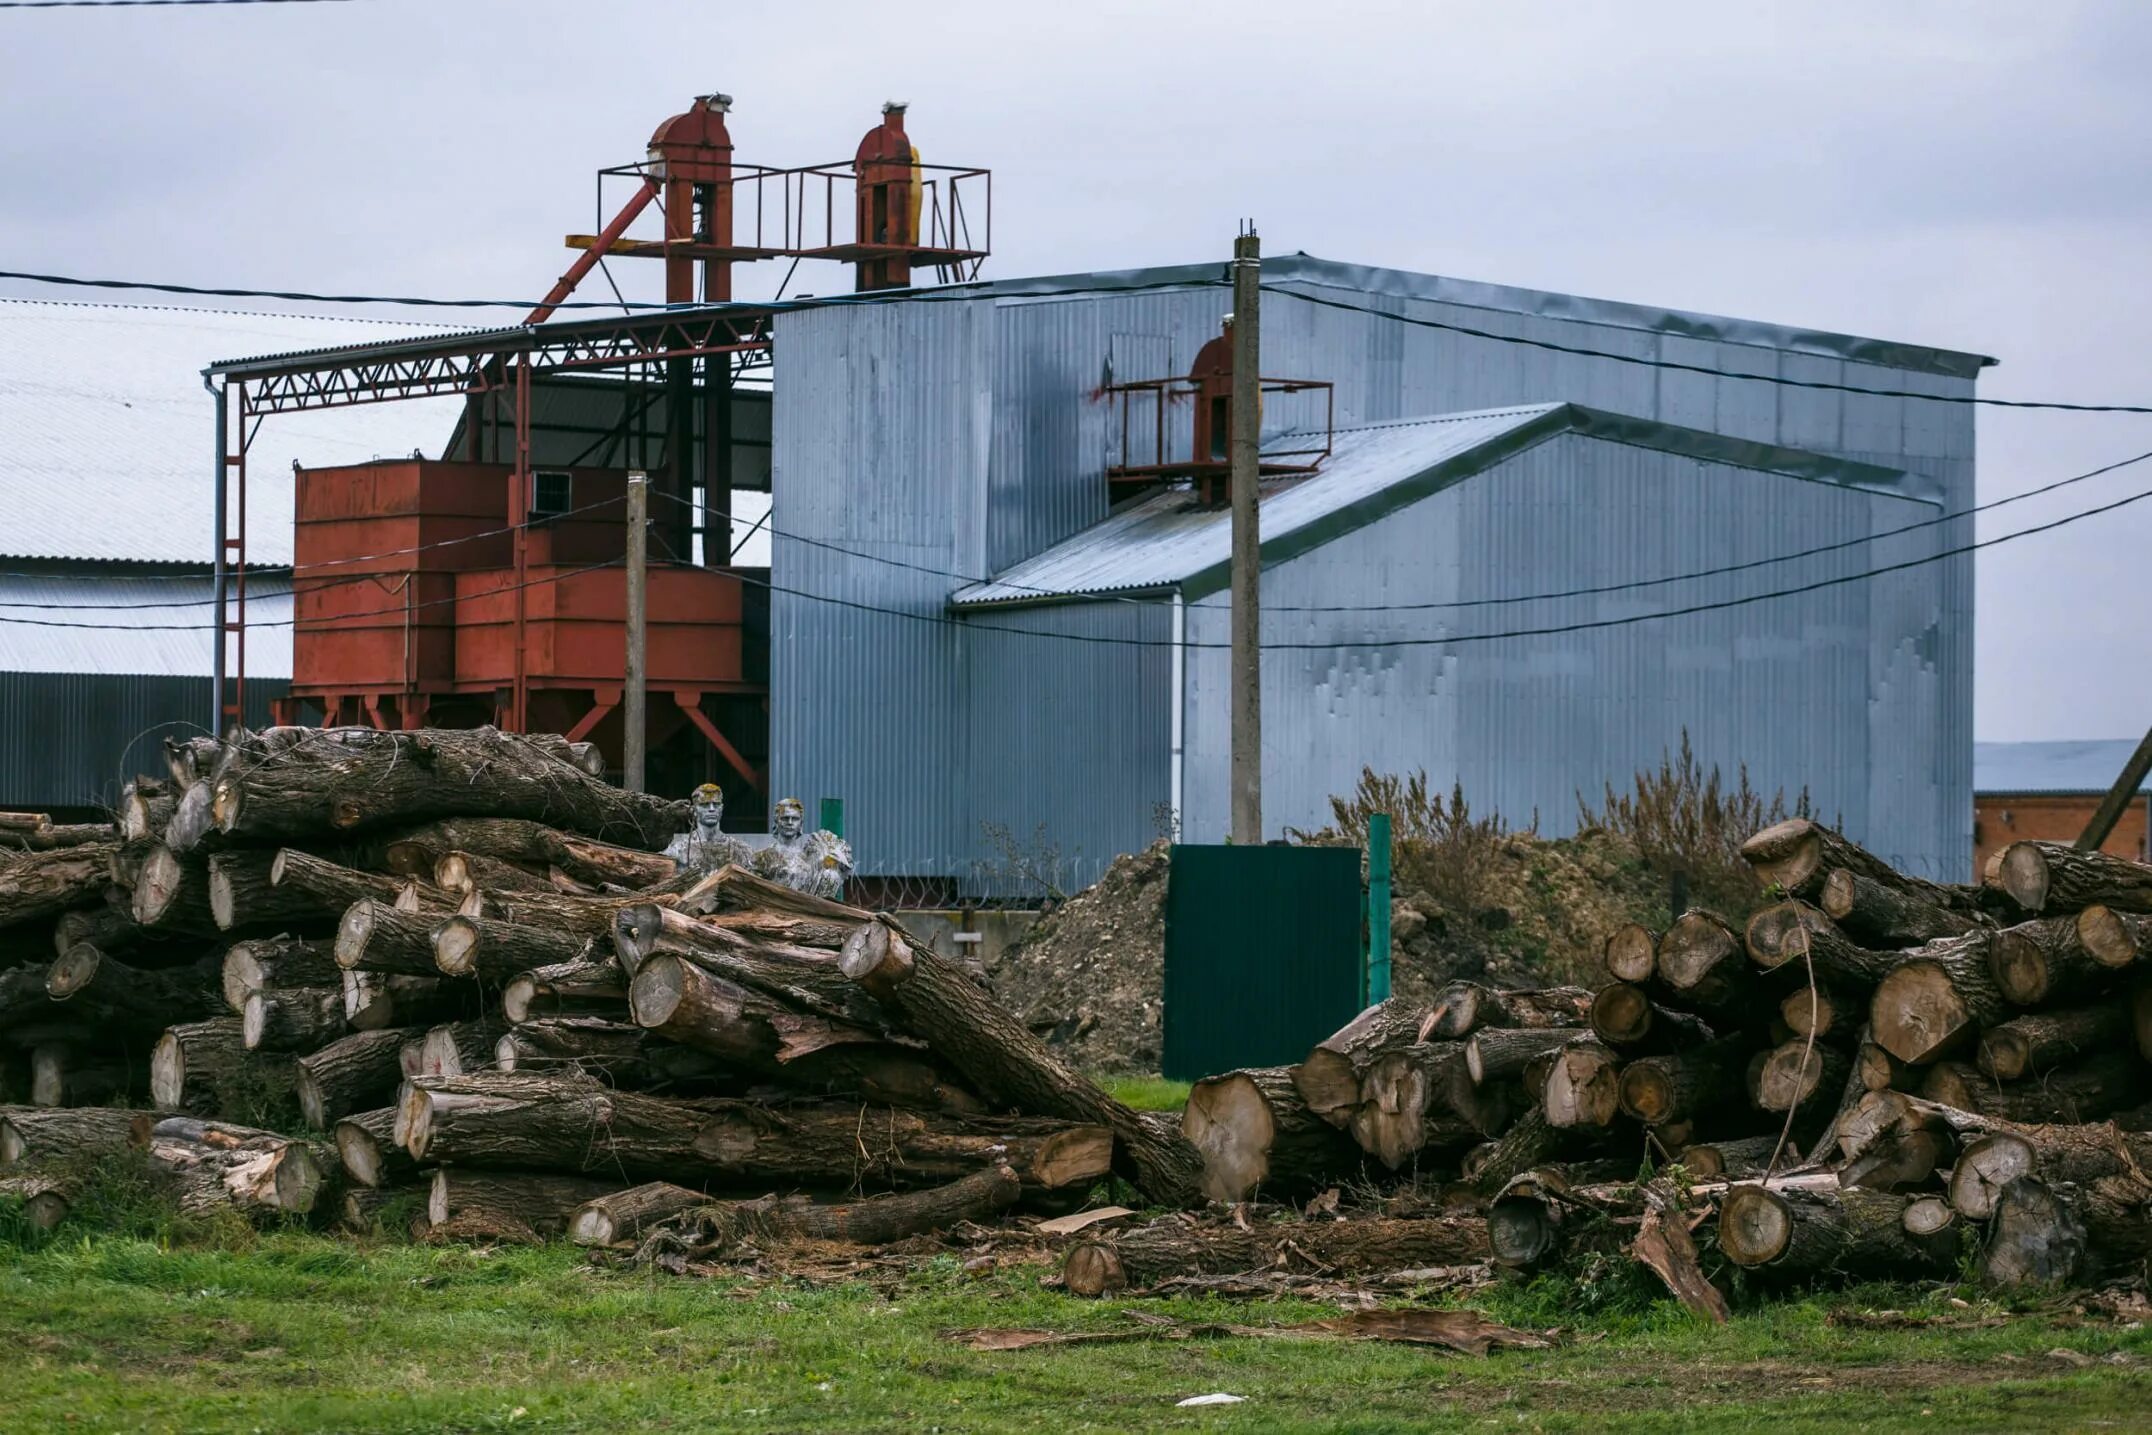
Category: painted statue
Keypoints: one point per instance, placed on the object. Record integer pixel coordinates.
(815, 862)
(705, 847)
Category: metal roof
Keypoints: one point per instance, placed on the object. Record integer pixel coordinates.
(1170, 540)
(105, 430)
(1304, 269)
(171, 639)
(2030, 769)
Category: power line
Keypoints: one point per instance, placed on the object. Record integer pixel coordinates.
(298, 296)
(136, 4)
(1590, 592)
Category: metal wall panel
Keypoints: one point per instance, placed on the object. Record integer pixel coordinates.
(75, 738)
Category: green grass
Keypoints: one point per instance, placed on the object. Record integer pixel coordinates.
(299, 1332)
(1146, 1093)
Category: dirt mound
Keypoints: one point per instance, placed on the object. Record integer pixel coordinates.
(1090, 977)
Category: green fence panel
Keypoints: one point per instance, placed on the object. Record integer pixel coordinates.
(1263, 954)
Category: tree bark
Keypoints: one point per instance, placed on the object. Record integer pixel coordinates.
(79, 1073)
(1255, 1133)
(293, 1018)
(189, 759)
(329, 888)
(242, 895)
(461, 873)
(353, 1073)
(585, 988)
(40, 885)
(522, 1207)
(2114, 939)
(362, 1210)
(1808, 1229)
(1329, 1079)
(732, 888)
(1684, 1086)
(610, 1051)
(875, 1221)
(367, 1150)
(2035, 1238)
(625, 1215)
(1499, 1053)
(1745, 1159)
(2034, 963)
(146, 805)
(266, 962)
(414, 853)
(373, 1001)
(1462, 1008)
(1799, 856)
(496, 951)
(171, 893)
(123, 999)
(2057, 878)
(347, 780)
(2085, 1092)
(1529, 1142)
(1702, 965)
(61, 1133)
(583, 917)
(1632, 954)
(109, 926)
(203, 1067)
(1000, 1057)
(373, 936)
(1797, 936)
(210, 1167)
(1935, 999)
(810, 980)
(459, 1048)
(1174, 1245)
(1908, 1160)
(2037, 1042)
(1887, 917)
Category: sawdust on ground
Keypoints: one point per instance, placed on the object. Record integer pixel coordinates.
(1090, 976)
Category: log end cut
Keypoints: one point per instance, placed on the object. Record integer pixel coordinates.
(1755, 1226)
(1229, 1120)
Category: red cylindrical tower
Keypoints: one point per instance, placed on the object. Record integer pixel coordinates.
(884, 171)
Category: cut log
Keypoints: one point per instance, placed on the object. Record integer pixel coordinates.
(204, 1067)
(1422, 1097)
(1329, 1079)
(373, 936)
(38, 886)
(266, 962)
(414, 853)
(189, 759)
(353, 1073)
(2055, 877)
(498, 951)
(1529, 1142)
(2035, 1238)
(617, 1053)
(2087, 1091)
(1908, 1160)
(367, 1150)
(2114, 939)
(2038, 1042)
(2003, 1151)
(460, 873)
(1173, 1246)
(35, 1133)
(171, 892)
(292, 1018)
(47, 1199)
(1702, 963)
(1462, 1008)
(1936, 999)
(585, 988)
(364, 1211)
(1798, 856)
(328, 888)
(210, 1168)
(458, 1048)
(1632, 954)
(373, 1000)
(1928, 1216)
(82, 1073)
(1746, 1159)
(146, 805)
(192, 824)
(242, 895)
(1256, 1134)
(1887, 917)
(1499, 1053)
(1583, 1086)
(875, 1221)
(801, 977)
(522, 1206)
(1806, 1230)
(551, 1123)
(1818, 1012)
(1798, 936)
(1000, 1058)
(347, 780)
(2038, 962)
(591, 917)
(1800, 1074)
(625, 1215)
(124, 999)
(109, 926)
(1683, 1086)
(733, 888)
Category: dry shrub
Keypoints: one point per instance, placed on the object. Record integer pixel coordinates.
(1438, 845)
(1683, 820)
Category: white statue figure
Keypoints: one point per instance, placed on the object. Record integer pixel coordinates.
(814, 862)
(704, 847)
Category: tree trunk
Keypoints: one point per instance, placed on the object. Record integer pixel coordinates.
(1254, 1133)
(1797, 936)
(1800, 1074)
(1464, 1007)
(875, 1221)
(2035, 1238)
(1684, 1086)
(123, 999)
(1702, 964)
(2085, 1092)
(2038, 962)
(242, 895)
(1632, 954)
(1529, 1142)
(347, 780)
(1935, 999)
(1799, 857)
(1498, 1053)
(41, 885)
(189, 759)
(1583, 1086)
(330, 888)
(293, 1018)
(810, 980)
(585, 988)
(2114, 939)
(1173, 1245)
(210, 1168)
(2057, 878)
(2003, 1151)
(784, 929)
(414, 853)
(191, 824)
(1808, 1230)
(353, 1073)
(610, 1051)
(367, 1150)
(625, 1215)
(1745, 1159)
(373, 1001)
(1818, 1012)
(109, 926)
(732, 888)
(171, 893)
(495, 951)
(1908, 1160)
(461, 873)
(205, 1067)
(1002, 1060)
(1421, 1096)
(1886, 917)
(267, 962)
(79, 1073)
(459, 1048)
(520, 1206)
(2037, 1042)
(363, 1210)
(146, 805)
(373, 936)
(548, 1123)
(1329, 1079)
(63, 1133)
(583, 917)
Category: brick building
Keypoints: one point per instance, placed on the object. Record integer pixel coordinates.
(2048, 790)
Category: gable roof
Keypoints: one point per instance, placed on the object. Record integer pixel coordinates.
(2029, 769)
(1170, 541)
(106, 431)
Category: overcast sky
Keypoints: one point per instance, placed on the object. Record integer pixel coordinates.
(1968, 175)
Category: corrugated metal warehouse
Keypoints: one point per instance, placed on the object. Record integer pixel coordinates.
(919, 445)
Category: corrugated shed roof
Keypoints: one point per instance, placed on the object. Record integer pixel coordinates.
(1171, 541)
(2033, 768)
(153, 627)
(106, 431)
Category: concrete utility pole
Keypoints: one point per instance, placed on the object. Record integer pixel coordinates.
(634, 701)
(1246, 455)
